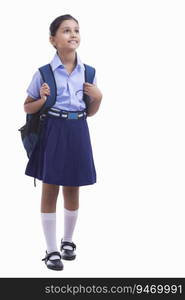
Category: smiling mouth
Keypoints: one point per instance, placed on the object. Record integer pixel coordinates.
(73, 42)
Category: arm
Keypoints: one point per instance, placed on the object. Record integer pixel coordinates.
(37, 94)
(95, 98)
(31, 105)
(94, 105)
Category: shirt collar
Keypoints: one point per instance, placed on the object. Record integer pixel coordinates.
(56, 62)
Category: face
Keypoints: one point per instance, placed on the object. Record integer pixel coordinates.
(67, 36)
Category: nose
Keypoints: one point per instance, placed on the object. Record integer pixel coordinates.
(73, 34)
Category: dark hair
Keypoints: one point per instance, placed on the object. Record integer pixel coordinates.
(56, 23)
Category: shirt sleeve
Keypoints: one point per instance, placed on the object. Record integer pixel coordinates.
(33, 89)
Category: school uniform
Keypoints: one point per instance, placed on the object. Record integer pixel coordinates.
(63, 155)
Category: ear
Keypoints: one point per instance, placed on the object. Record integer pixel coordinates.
(51, 39)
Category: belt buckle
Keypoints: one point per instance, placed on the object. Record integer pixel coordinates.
(72, 115)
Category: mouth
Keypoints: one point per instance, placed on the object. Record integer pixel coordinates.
(73, 42)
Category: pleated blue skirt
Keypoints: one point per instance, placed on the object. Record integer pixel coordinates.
(63, 155)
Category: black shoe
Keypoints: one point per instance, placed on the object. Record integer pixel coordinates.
(66, 253)
(53, 264)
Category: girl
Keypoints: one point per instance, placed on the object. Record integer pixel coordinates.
(63, 156)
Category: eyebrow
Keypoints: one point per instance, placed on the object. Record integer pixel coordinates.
(69, 27)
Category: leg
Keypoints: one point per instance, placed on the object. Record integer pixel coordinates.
(49, 197)
(71, 197)
(71, 205)
(48, 217)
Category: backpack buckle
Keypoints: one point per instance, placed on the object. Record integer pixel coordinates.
(42, 116)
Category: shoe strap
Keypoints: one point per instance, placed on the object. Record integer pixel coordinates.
(64, 243)
(48, 255)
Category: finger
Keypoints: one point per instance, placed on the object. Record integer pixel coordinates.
(87, 84)
(45, 89)
(45, 85)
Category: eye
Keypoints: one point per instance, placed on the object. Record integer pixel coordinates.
(77, 30)
(66, 30)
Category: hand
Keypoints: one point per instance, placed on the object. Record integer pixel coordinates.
(92, 91)
(44, 91)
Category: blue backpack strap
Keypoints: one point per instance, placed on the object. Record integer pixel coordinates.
(48, 77)
(89, 77)
(89, 73)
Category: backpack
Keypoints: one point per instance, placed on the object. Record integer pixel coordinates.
(30, 132)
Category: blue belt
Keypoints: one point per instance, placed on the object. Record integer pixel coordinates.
(65, 114)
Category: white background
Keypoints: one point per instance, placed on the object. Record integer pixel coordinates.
(131, 222)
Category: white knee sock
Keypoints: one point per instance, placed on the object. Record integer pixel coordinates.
(70, 218)
(49, 228)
